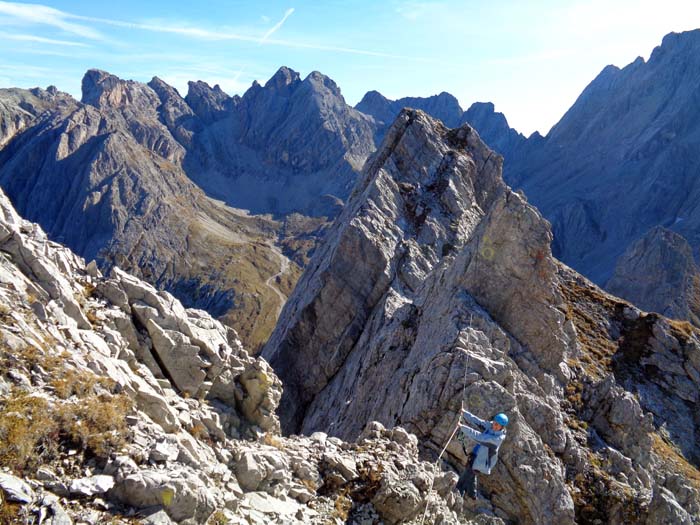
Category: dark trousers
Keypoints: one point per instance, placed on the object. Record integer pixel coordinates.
(467, 480)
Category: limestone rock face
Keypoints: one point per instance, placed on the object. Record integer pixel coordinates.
(20, 107)
(658, 273)
(179, 420)
(437, 281)
(405, 215)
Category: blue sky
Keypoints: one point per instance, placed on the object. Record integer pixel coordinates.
(532, 59)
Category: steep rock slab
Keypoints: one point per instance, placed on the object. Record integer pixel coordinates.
(405, 214)
(658, 273)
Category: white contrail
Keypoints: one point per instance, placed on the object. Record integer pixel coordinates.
(278, 25)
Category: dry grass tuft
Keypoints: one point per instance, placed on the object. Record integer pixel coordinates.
(32, 431)
(28, 431)
(342, 507)
(669, 454)
(80, 384)
(682, 330)
(96, 424)
(273, 441)
(218, 518)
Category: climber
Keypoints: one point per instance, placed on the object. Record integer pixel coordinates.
(484, 455)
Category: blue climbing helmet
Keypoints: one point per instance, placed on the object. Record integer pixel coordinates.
(501, 419)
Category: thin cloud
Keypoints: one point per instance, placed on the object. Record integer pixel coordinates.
(40, 40)
(45, 15)
(278, 25)
(41, 14)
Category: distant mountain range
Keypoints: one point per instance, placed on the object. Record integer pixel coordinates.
(492, 126)
(127, 175)
(104, 176)
(624, 159)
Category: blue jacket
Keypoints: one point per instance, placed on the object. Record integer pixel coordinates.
(489, 441)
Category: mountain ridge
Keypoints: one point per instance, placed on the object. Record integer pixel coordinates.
(457, 294)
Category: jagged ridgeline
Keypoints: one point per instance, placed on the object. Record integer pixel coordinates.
(112, 178)
(436, 273)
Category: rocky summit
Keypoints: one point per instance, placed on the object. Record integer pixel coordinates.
(436, 281)
(492, 126)
(118, 405)
(291, 145)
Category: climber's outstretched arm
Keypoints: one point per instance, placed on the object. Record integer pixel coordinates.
(476, 421)
(482, 437)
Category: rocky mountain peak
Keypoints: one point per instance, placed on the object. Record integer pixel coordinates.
(684, 42)
(421, 208)
(209, 103)
(284, 79)
(104, 90)
(377, 106)
(20, 107)
(478, 109)
(494, 129)
(443, 106)
(616, 165)
(321, 82)
(372, 97)
(163, 89)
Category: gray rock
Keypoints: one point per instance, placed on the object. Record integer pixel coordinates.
(91, 486)
(397, 501)
(163, 452)
(182, 495)
(665, 510)
(57, 515)
(249, 471)
(159, 517)
(15, 489)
